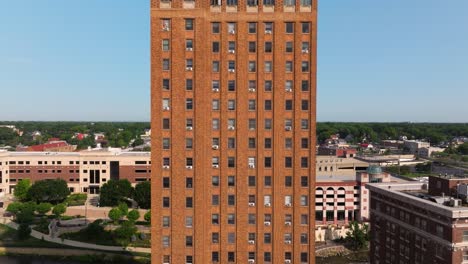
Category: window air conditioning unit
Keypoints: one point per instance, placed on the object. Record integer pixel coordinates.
(189, 128)
(189, 167)
(215, 90)
(189, 69)
(251, 89)
(232, 32)
(251, 261)
(232, 51)
(251, 166)
(189, 49)
(166, 108)
(166, 263)
(166, 167)
(288, 223)
(288, 205)
(288, 128)
(287, 261)
(231, 128)
(215, 147)
(251, 242)
(232, 70)
(267, 31)
(165, 28)
(287, 241)
(267, 204)
(215, 166)
(288, 90)
(305, 51)
(267, 223)
(251, 204)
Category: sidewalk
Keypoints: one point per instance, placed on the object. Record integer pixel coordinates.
(78, 244)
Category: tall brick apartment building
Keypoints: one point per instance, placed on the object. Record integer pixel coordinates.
(233, 101)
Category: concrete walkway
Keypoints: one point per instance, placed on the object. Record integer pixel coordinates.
(72, 243)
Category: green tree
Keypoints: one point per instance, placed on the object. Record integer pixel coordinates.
(24, 231)
(21, 189)
(59, 209)
(43, 208)
(123, 207)
(113, 192)
(357, 236)
(142, 194)
(124, 233)
(115, 214)
(148, 216)
(26, 213)
(133, 215)
(51, 191)
(463, 149)
(14, 207)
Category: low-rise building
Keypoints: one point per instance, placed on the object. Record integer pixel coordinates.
(413, 146)
(84, 171)
(427, 152)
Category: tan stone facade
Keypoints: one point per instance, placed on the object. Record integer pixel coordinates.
(233, 101)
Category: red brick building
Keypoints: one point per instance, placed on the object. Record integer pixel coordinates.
(233, 101)
(408, 225)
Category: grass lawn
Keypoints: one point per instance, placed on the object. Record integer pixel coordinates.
(8, 238)
(105, 238)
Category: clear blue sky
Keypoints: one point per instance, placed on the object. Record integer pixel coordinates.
(399, 60)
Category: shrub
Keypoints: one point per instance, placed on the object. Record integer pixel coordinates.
(133, 215)
(148, 216)
(43, 208)
(24, 231)
(76, 199)
(59, 209)
(115, 214)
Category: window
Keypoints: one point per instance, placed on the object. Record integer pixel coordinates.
(252, 143)
(188, 143)
(215, 84)
(231, 200)
(268, 86)
(252, 105)
(215, 238)
(166, 65)
(215, 200)
(288, 162)
(189, 44)
(304, 162)
(165, 45)
(231, 143)
(252, 124)
(251, 181)
(304, 123)
(215, 181)
(166, 85)
(231, 46)
(189, 182)
(268, 143)
(166, 182)
(231, 85)
(166, 124)
(267, 181)
(215, 27)
(166, 143)
(305, 27)
(189, 63)
(252, 84)
(189, 84)
(231, 238)
(231, 219)
(166, 202)
(166, 24)
(252, 2)
(188, 202)
(288, 85)
(289, 2)
(288, 181)
(268, 46)
(165, 241)
(231, 181)
(215, 46)
(289, 47)
(304, 143)
(268, 124)
(231, 2)
(215, 105)
(215, 2)
(305, 86)
(231, 124)
(306, 2)
(231, 104)
(215, 256)
(267, 200)
(289, 27)
(215, 66)
(166, 221)
(252, 47)
(188, 241)
(305, 46)
(231, 27)
(268, 105)
(231, 162)
(268, 66)
(305, 105)
(189, 122)
(252, 28)
(305, 66)
(231, 65)
(252, 219)
(267, 238)
(215, 124)
(465, 235)
(288, 105)
(188, 104)
(267, 162)
(252, 66)
(289, 66)
(304, 200)
(188, 24)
